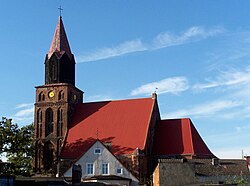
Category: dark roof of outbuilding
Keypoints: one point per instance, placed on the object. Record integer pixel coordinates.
(206, 167)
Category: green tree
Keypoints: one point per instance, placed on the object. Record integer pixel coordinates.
(17, 144)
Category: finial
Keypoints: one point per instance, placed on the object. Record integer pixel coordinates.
(60, 10)
(156, 88)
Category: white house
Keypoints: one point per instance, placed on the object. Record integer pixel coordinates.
(100, 165)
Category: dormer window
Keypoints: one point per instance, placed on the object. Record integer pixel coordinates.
(97, 151)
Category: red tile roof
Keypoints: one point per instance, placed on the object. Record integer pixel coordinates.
(179, 137)
(60, 43)
(123, 123)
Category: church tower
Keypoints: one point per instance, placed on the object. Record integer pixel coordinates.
(55, 102)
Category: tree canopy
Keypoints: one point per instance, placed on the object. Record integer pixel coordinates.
(16, 144)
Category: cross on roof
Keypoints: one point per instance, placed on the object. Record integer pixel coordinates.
(60, 10)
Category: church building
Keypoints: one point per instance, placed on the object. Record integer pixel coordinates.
(130, 133)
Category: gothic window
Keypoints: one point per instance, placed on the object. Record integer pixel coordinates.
(52, 66)
(48, 156)
(54, 72)
(39, 124)
(41, 96)
(61, 95)
(49, 122)
(59, 122)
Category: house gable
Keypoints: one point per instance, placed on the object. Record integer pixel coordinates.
(104, 156)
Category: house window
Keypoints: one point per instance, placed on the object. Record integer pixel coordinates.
(97, 151)
(90, 168)
(105, 168)
(119, 170)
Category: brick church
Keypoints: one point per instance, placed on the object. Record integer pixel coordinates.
(130, 132)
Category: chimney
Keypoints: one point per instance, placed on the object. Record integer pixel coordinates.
(154, 95)
(215, 161)
(248, 161)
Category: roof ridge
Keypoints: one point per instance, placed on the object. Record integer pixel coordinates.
(149, 120)
(118, 100)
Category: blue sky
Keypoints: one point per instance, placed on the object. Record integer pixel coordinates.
(197, 53)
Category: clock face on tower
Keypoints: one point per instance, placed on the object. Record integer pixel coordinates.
(51, 94)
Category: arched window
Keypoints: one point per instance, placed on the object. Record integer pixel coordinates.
(61, 95)
(39, 124)
(48, 156)
(59, 121)
(41, 96)
(49, 122)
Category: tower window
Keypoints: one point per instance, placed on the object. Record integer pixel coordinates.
(49, 122)
(61, 95)
(41, 96)
(59, 122)
(39, 124)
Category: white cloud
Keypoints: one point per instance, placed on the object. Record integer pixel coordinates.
(192, 34)
(231, 152)
(25, 112)
(242, 128)
(172, 85)
(160, 41)
(203, 110)
(24, 115)
(98, 98)
(24, 105)
(234, 78)
(124, 48)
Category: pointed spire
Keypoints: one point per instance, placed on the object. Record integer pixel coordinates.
(60, 43)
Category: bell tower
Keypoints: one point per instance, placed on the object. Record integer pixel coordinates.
(55, 102)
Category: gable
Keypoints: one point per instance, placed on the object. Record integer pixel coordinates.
(124, 124)
(105, 156)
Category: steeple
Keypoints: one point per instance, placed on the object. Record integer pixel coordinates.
(55, 102)
(60, 62)
(60, 44)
